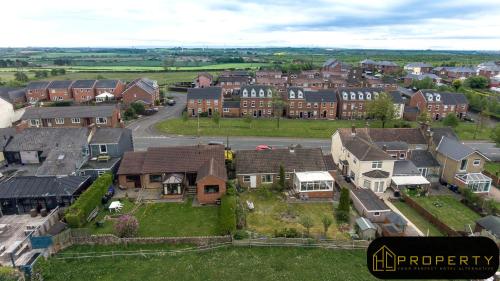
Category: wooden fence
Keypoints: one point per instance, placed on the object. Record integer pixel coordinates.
(495, 180)
(303, 243)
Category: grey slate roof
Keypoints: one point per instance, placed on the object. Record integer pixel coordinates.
(438, 133)
(405, 168)
(107, 83)
(45, 139)
(321, 96)
(423, 158)
(109, 135)
(60, 84)
(418, 64)
(396, 219)
(27, 187)
(62, 161)
(358, 92)
(453, 149)
(148, 85)
(411, 109)
(81, 84)
(10, 94)
(422, 76)
(364, 223)
(361, 146)
(370, 200)
(393, 145)
(490, 223)
(37, 85)
(204, 93)
(257, 89)
(446, 98)
(376, 174)
(396, 97)
(5, 136)
(68, 112)
(231, 104)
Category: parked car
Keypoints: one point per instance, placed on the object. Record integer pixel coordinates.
(263, 147)
(468, 119)
(150, 111)
(170, 102)
(215, 143)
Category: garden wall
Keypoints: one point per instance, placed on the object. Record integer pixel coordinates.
(109, 239)
(430, 217)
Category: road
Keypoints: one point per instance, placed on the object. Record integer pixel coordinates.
(487, 148)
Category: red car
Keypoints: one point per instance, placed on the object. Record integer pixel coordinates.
(263, 147)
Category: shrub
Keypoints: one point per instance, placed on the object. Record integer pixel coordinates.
(343, 208)
(129, 114)
(227, 214)
(76, 215)
(203, 114)
(342, 216)
(287, 232)
(230, 189)
(241, 215)
(138, 107)
(451, 120)
(126, 226)
(9, 274)
(62, 103)
(240, 234)
(307, 223)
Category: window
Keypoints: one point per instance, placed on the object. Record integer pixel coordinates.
(367, 184)
(208, 102)
(315, 105)
(211, 189)
(344, 96)
(199, 101)
(245, 93)
(463, 165)
(269, 104)
(377, 165)
(225, 110)
(216, 102)
(287, 176)
(267, 178)
(437, 106)
(246, 178)
(261, 104)
(292, 94)
(244, 103)
(300, 104)
(476, 162)
(300, 95)
(261, 93)
(378, 187)
(423, 171)
(59, 121)
(101, 120)
(429, 107)
(75, 120)
(376, 214)
(199, 110)
(35, 122)
(100, 172)
(308, 105)
(291, 104)
(253, 104)
(154, 178)
(253, 93)
(402, 156)
(103, 149)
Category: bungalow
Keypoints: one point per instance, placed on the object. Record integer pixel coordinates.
(114, 87)
(176, 171)
(72, 116)
(37, 91)
(203, 80)
(84, 90)
(142, 90)
(204, 100)
(60, 90)
(19, 195)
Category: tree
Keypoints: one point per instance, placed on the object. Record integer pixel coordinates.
(456, 84)
(327, 222)
(495, 135)
(426, 83)
(248, 119)
(343, 207)
(216, 118)
(21, 76)
(282, 177)
(424, 117)
(307, 223)
(477, 82)
(126, 226)
(41, 74)
(138, 107)
(451, 120)
(54, 72)
(129, 114)
(381, 108)
(278, 106)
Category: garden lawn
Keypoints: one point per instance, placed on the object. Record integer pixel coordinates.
(166, 219)
(231, 263)
(451, 212)
(465, 131)
(260, 127)
(417, 219)
(273, 213)
(492, 167)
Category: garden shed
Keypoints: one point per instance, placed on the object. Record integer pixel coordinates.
(365, 229)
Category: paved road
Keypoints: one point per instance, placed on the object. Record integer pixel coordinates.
(487, 148)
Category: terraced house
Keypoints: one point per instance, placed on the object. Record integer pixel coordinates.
(257, 101)
(204, 101)
(114, 87)
(320, 104)
(60, 90)
(84, 90)
(37, 91)
(440, 104)
(352, 101)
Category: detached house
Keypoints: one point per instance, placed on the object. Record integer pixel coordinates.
(142, 90)
(203, 80)
(440, 104)
(385, 67)
(204, 100)
(352, 101)
(257, 101)
(60, 90)
(84, 90)
(418, 68)
(72, 116)
(37, 91)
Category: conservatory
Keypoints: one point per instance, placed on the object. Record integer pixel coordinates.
(477, 182)
(172, 185)
(314, 184)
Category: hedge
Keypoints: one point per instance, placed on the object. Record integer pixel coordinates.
(76, 215)
(9, 274)
(227, 215)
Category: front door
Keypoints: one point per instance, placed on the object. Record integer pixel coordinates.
(253, 181)
(209, 112)
(260, 113)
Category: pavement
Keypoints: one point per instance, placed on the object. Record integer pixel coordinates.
(487, 148)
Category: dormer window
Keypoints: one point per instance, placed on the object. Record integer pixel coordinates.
(253, 93)
(360, 95)
(438, 97)
(375, 95)
(368, 96)
(300, 94)
(269, 93)
(292, 94)
(344, 95)
(429, 97)
(261, 93)
(245, 93)
(353, 96)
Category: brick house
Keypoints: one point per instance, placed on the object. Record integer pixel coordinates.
(489, 69)
(257, 101)
(450, 73)
(203, 80)
(37, 91)
(84, 90)
(142, 90)
(418, 68)
(268, 74)
(309, 83)
(231, 108)
(385, 67)
(320, 104)
(334, 67)
(72, 116)
(439, 104)
(272, 78)
(352, 101)
(177, 171)
(231, 84)
(408, 79)
(114, 87)
(60, 90)
(204, 100)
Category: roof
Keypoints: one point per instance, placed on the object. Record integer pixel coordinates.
(396, 219)
(489, 66)
(423, 158)
(109, 135)
(364, 224)
(231, 104)
(212, 168)
(45, 139)
(269, 161)
(313, 176)
(360, 145)
(26, 187)
(408, 135)
(359, 93)
(369, 200)
(241, 79)
(80, 84)
(10, 94)
(60, 84)
(490, 223)
(204, 93)
(396, 97)
(62, 161)
(409, 180)
(405, 168)
(392, 145)
(444, 97)
(422, 76)
(206, 74)
(132, 162)
(321, 96)
(5, 136)
(329, 163)
(148, 85)
(235, 73)
(453, 149)
(68, 112)
(418, 64)
(376, 174)
(257, 88)
(438, 133)
(37, 85)
(106, 83)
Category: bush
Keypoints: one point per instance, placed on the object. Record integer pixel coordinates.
(204, 114)
(287, 232)
(76, 215)
(240, 234)
(343, 208)
(227, 214)
(451, 120)
(342, 216)
(62, 103)
(230, 189)
(138, 107)
(129, 114)
(9, 274)
(126, 226)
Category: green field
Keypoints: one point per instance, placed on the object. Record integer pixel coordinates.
(417, 219)
(449, 210)
(166, 219)
(232, 263)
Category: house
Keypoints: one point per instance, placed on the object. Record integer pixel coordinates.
(16, 96)
(334, 67)
(9, 113)
(488, 226)
(60, 90)
(387, 83)
(231, 81)
(369, 205)
(352, 101)
(84, 90)
(309, 83)
(231, 108)
(274, 79)
(142, 90)
(114, 87)
(204, 101)
(409, 78)
(106, 149)
(367, 165)
(72, 116)
(385, 67)
(426, 164)
(418, 68)
(257, 101)
(489, 69)
(399, 103)
(176, 171)
(268, 74)
(462, 165)
(21, 194)
(320, 104)
(365, 229)
(37, 91)
(440, 104)
(5, 137)
(450, 73)
(203, 80)
(255, 168)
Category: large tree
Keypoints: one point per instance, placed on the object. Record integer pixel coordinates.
(451, 120)
(477, 82)
(278, 105)
(21, 76)
(381, 108)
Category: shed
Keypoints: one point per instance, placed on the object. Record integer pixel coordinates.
(365, 228)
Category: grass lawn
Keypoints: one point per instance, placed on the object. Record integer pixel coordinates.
(273, 213)
(465, 131)
(232, 263)
(167, 219)
(417, 219)
(450, 211)
(492, 167)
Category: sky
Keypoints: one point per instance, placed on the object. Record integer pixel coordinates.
(375, 24)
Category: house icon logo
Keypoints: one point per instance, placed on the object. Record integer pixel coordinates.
(384, 260)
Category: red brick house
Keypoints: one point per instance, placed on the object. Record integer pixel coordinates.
(176, 171)
(385, 67)
(84, 90)
(203, 80)
(450, 73)
(418, 68)
(37, 91)
(309, 83)
(114, 87)
(489, 69)
(440, 104)
(204, 100)
(231, 84)
(142, 90)
(231, 108)
(257, 101)
(352, 101)
(320, 104)
(334, 67)
(268, 74)
(60, 90)
(72, 116)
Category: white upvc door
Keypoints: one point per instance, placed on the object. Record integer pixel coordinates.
(253, 181)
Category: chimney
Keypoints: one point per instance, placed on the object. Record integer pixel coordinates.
(353, 130)
(21, 126)
(384, 148)
(292, 148)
